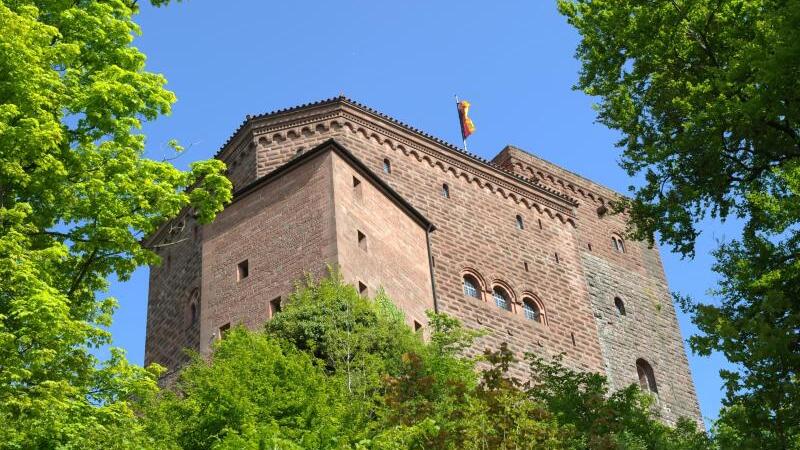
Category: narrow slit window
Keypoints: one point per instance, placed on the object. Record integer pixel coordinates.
(357, 189)
(526, 266)
(445, 191)
(242, 270)
(620, 305)
(520, 223)
(362, 240)
(387, 166)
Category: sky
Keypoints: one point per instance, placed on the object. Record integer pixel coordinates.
(513, 60)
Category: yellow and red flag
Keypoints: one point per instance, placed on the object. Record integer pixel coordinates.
(467, 127)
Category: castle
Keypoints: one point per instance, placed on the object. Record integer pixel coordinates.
(517, 246)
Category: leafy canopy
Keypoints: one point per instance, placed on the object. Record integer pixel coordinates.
(335, 370)
(706, 95)
(77, 196)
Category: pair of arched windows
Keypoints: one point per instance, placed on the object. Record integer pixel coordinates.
(531, 308)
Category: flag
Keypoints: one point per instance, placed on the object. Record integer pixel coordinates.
(467, 127)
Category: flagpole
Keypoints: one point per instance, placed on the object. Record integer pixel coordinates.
(463, 139)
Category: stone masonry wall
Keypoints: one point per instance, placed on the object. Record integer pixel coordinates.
(650, 330)
(284, 229)
(395, 254)
(173, 286)
(646, 330)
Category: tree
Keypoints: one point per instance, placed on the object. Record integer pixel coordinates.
(706, 96)
(253, 393)
(77, 196)
(337, 370)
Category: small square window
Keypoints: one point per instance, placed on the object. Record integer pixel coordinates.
(362, 240)
(274, 307)
(357, 189)
(223, 330)
(242, 270)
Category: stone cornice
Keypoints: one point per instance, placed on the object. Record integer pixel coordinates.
(340, 112)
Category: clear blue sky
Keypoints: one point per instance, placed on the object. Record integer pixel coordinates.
(513, 61)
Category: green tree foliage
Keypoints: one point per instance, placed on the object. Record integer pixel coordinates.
(706, 95)
(76, 198)
(336, 370)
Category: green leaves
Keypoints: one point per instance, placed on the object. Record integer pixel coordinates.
(76, 199)
(336, 370)
(706, 96)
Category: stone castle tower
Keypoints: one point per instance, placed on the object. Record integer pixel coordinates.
(517, 246)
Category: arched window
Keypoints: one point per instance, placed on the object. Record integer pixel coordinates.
(532, 310)
(520, 223)
(471, 287)
(620, 305)
(193, 308)
(501, 298)
(445, 191)
(387, 166)
(647, 379)
(617, 244)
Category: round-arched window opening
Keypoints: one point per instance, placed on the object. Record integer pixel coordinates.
(387, 166)
(501, 298)
(647, 378)
(532, 310)
(620, 305)
(471, 287)
(192, 308)
(618, 244)
(520, 223)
